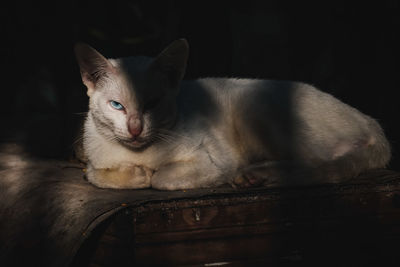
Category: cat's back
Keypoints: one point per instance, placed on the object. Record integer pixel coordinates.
(209, 95)
(230, 86)
(213, 96)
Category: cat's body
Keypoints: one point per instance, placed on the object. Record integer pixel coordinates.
(212, 131)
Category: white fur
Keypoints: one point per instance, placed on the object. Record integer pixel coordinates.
(206, 154)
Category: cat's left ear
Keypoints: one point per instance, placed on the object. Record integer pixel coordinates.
(172, 62)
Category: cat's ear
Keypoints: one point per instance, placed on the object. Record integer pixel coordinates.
(172, 62)
(92, 64)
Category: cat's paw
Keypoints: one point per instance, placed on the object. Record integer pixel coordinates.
(121, 178)
(247, 179)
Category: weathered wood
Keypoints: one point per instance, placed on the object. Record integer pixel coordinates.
(357, 223)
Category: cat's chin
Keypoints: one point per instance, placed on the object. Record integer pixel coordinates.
(136, 144)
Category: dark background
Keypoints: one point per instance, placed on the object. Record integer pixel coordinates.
(347, 48)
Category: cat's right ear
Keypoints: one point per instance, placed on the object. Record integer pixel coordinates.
(171, 62)
(92, 64)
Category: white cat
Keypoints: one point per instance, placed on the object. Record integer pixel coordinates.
(148, 128)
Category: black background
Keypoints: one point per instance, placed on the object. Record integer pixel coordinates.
(346, 48)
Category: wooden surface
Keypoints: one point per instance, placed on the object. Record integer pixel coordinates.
(356, 224)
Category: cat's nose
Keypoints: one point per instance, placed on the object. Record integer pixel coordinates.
(135, 126)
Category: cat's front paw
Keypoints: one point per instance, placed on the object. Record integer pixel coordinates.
(121, 178)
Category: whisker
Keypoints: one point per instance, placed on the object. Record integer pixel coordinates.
(78, 140)
(111, 138)
(172, 139)
(163, 138)
(174, 134)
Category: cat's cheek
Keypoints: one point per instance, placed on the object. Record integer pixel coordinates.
(118, 123)
(147, 124)
(164, 112)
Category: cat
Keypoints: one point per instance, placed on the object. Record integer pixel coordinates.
(147, 127)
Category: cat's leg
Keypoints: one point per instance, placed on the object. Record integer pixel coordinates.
(187, 175)
(273, 173)
(120, 178)
(290, 173)
(202, 174)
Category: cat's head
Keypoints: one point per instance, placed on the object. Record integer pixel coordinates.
(133, 99)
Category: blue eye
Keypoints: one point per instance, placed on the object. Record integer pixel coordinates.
(116, 105)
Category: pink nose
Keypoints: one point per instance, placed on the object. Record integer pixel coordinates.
(135, 126)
